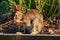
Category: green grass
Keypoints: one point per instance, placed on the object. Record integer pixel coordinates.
(50, 9)
(49, 6)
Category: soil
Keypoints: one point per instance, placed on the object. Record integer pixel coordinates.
(52, 26)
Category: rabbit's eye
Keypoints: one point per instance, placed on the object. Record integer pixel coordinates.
(15, 15)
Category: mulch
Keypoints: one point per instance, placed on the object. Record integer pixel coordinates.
(52, 26)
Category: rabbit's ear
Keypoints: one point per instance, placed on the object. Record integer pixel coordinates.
(19, 7)
(15, 6)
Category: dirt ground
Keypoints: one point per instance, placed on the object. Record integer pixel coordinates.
(52, 27)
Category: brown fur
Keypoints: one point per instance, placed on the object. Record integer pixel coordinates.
(32, 15)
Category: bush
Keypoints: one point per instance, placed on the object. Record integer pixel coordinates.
(47, 7)
(4, 7)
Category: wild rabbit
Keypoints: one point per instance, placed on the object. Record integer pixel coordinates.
(31, 18)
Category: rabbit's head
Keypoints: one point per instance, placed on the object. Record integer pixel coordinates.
(18, 14)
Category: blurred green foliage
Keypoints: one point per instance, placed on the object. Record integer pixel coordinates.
(47, 7)
(4, 7)
(27, 4)
(50, 9)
